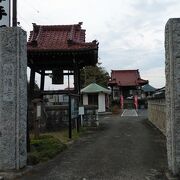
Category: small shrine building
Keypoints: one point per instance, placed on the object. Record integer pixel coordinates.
(94, 94)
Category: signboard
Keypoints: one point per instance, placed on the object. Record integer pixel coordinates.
(81, 110)
(74, 108)
(4, 13)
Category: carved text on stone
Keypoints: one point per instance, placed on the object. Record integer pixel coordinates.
(8, 82)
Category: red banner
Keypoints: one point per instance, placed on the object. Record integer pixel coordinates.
(136, 101)
(121, 102)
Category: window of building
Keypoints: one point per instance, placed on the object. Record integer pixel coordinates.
(93, 99)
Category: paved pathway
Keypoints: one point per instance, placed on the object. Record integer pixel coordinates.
(125, 148)
(129, 112)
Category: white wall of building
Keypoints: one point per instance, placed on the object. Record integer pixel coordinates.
(101, 102)
(85, 99)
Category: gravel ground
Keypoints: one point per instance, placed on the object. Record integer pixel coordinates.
(124, 148)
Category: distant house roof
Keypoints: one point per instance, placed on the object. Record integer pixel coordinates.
(160, 93)
(126, 78)
(148, 88)
(59, 38)
(94, 88)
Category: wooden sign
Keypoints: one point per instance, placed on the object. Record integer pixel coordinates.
(4, 13)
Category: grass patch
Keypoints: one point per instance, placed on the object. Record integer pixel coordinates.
(44, 148)
(63, 135)
(50, 144)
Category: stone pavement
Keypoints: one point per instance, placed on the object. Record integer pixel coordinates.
(129, 112)
(124, 148)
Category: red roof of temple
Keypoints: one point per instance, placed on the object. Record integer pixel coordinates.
(59, 38)
(126, 78)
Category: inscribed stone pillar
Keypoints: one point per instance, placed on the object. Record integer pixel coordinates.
(13, 98)
(172, 47)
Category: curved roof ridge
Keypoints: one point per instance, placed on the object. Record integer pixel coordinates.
(59, 37)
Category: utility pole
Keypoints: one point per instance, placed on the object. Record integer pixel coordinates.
(14, 24)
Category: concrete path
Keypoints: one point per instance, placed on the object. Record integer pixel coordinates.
(129, 112)
(125, 148)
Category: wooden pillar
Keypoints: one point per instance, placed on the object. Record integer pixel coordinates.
(32, 83)
(68, 81)
(76, 78)
(75, 85)
(70, 124)
(42, 80)
(31, 94)
(79, 98)
(77, 88)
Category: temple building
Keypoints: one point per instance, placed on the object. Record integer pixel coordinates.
(126, 84)
(58, 51)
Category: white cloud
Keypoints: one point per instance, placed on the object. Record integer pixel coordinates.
(131, 33)
(155, 75)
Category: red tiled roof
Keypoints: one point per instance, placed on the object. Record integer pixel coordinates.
(126, 78)
(59, 38)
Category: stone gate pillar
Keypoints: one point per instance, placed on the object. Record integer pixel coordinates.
(172, 47)
(13, 98)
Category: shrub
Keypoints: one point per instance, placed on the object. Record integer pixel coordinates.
(44, 148)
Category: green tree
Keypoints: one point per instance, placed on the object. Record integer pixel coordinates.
(97, 74)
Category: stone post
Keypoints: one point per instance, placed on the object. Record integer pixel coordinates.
(172, 47)
(13, 98)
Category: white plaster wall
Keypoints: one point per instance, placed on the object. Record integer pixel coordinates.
(85, 99)
(101, 102)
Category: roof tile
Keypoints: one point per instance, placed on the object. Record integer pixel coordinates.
(59, 37)
(126, 78)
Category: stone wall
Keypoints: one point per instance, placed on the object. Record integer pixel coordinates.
(172, 69)
(13, 98)
(157, 113)
(172, 47)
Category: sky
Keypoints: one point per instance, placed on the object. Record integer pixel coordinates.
(130, 32)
